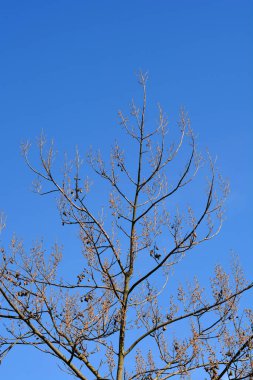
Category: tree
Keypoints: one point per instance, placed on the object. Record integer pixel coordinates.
(118, 318)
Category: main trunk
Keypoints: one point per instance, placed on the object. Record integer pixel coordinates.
(120, 369)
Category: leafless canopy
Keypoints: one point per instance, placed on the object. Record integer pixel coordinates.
(123, 316)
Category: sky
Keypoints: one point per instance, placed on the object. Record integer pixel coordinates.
(66, 67)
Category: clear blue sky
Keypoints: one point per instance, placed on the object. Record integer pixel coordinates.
(68, 66)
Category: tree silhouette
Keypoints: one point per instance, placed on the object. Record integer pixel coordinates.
(123, 315)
